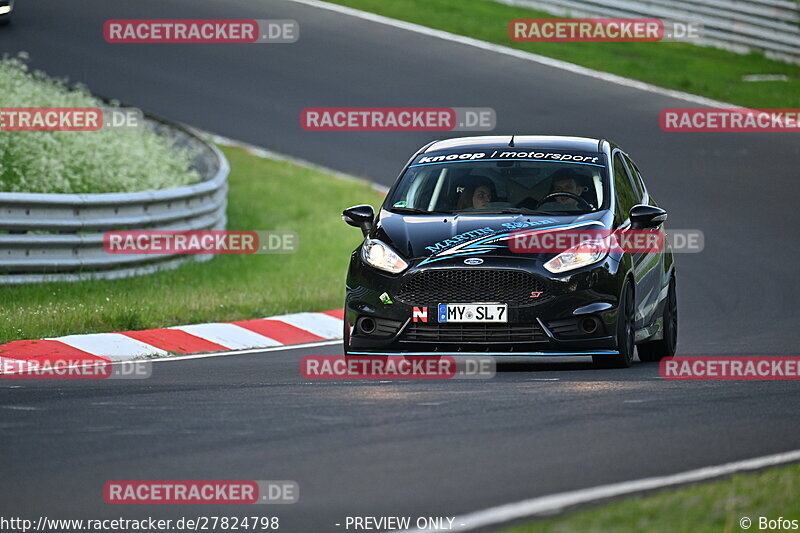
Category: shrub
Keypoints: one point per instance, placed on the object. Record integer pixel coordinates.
(108, 160)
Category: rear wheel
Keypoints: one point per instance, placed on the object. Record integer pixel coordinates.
(657, 350)
(626, 331)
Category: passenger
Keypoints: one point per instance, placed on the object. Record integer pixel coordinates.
(477, 194)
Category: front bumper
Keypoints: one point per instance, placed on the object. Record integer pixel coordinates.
(573, 314)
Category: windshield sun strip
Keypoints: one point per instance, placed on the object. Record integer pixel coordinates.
(536, 160)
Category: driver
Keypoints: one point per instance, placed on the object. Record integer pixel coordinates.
(566, 180)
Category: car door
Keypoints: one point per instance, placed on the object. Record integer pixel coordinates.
(628, 195)
(648, 266)
(653, 267)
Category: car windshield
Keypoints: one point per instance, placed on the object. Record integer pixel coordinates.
(495, 181)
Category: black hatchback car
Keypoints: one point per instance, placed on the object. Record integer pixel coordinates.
(441, 271)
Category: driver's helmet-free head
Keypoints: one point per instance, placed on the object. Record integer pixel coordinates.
(569, 180)
(466, 190)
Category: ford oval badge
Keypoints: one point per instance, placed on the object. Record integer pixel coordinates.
(473, 261)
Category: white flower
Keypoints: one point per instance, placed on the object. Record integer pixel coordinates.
(79, 162)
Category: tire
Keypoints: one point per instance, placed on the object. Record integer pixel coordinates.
(657, 350)
(626, 331)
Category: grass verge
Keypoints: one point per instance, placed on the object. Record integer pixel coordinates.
(712, 507)
(694, 69)
(264, 195)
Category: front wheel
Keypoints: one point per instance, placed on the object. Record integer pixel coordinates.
(626, 331)
(657, 350)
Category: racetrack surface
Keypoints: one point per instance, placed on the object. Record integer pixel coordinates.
(427, 448)
(439, 448)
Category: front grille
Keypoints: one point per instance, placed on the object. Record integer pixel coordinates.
(473, 333)
(435, 286)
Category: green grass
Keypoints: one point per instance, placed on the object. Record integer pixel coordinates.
(264, 195)
(699, 70)
(713, 507)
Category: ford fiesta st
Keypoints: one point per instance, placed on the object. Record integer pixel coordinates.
(436, 272)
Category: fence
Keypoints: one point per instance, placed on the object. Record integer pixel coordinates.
(772, 26)
(59, 237)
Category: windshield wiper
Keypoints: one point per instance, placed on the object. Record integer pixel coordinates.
(564, 212)
(412, 211)
(520, 211)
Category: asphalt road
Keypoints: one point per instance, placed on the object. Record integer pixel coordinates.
(429, 448)
(412, 448)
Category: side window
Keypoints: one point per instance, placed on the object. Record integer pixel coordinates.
(637, 177)
(626, 197)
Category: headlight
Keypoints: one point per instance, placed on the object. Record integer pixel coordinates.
(381, 256)
(578, 256)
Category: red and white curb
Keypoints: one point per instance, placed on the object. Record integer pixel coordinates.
(270, 332)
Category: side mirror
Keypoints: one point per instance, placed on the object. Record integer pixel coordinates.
(647, 216)
(360, 216)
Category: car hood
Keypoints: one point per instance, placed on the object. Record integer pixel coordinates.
(439, 236)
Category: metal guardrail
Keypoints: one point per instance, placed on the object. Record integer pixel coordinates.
(772, 26)
(59, 237)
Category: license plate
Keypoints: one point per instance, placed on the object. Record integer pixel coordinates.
(458, 313)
